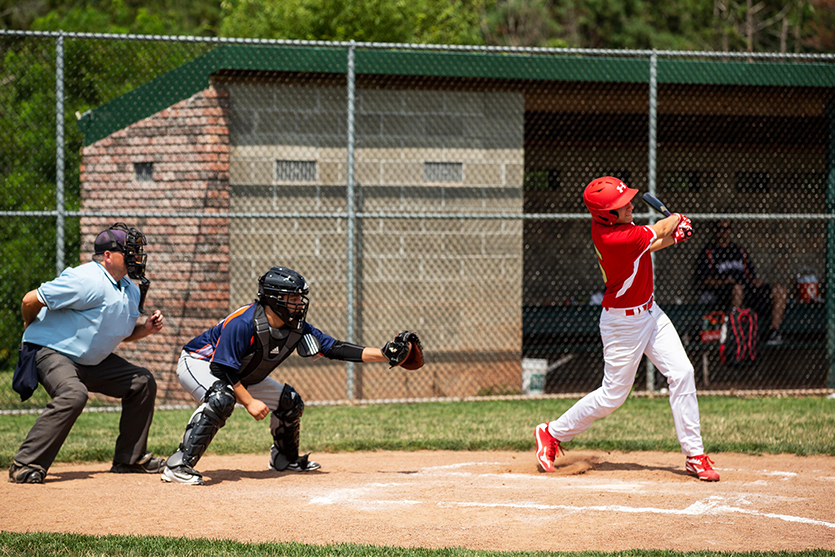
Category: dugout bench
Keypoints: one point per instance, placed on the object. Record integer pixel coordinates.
(555, 331)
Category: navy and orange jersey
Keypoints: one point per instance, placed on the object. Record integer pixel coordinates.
(233, 339)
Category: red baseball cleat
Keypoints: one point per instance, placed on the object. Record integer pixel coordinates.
(700, 466)
(547, 448)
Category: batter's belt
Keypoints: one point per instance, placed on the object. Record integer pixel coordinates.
(630, 311)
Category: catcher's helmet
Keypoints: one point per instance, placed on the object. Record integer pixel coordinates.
(285, 292)
(130, 242)
(603, 195)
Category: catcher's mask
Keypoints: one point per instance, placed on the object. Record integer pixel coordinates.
(604, 195)
(130, 242)
(285, 292)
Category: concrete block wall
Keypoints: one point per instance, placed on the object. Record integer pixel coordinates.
(188, 258)
(457, 281)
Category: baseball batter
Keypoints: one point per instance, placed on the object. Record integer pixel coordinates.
(631, 325)
(231, 362)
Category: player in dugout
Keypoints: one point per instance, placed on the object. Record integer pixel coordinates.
(726, 272)
(231, 362)
(631, 325)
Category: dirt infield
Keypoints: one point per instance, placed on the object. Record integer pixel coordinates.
(478, 500)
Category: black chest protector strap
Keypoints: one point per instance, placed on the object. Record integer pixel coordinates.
(263, 359)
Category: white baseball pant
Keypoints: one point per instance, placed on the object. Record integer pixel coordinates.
(626, 338)
(196, 378)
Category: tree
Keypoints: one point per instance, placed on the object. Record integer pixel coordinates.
(821, 27)
(521, 23)
(418, 21)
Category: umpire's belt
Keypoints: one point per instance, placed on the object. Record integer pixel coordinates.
(630, 311)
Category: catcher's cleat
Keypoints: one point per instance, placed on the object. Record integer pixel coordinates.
(302, 464)
(147, 464)
(700, 466)
(182, 475)
(26, 473)
(547, 448)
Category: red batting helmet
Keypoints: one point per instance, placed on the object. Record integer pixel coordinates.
(604, 195)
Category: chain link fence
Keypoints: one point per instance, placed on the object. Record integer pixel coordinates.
(429, 188)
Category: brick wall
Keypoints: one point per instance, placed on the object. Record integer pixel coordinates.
(188, 258)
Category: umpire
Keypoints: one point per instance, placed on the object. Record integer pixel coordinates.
(71, 326)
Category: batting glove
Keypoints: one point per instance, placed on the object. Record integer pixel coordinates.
(682, 232)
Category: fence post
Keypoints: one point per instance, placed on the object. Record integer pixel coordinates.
(350, 206)
(653, 106)
(830, 244)
(59, 154)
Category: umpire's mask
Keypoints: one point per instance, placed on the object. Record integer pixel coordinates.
(130, 242)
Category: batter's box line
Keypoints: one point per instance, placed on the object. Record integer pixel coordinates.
(696, 509)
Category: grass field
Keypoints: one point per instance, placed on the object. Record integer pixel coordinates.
(802, 426)
(769, 425)
(63, 545)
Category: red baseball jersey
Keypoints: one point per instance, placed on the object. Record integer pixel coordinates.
(624, 258)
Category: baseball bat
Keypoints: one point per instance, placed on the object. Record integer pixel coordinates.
(656, 204)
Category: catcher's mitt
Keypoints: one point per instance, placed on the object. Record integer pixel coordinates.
(404, 351)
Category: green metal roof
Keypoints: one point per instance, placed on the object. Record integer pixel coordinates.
(192, 77)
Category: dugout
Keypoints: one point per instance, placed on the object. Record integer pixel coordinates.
(253, 130)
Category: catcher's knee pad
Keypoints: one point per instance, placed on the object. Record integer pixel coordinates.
(290, 405)
(285, 425)
(209, 417)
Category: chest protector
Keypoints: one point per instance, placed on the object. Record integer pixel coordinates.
(269, 352)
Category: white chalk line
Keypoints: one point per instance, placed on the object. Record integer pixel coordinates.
(431, 469)
(357, 497)
(696, 509)
(713, 506)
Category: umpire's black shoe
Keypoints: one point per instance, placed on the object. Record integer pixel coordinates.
(147, 464)
(26, 473)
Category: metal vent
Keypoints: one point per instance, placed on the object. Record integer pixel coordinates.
(143, 171)
(295, 171)
(443, 172)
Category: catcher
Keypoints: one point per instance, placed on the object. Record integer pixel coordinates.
(231, 362)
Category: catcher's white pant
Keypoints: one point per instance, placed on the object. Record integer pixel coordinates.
(625, 339)
(196, 378)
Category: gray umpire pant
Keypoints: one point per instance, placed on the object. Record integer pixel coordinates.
(68, 384)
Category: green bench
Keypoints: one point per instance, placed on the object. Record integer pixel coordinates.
(559, 329)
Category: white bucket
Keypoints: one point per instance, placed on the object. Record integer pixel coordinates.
(533, 376)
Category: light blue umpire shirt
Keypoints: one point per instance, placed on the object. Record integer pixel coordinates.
(87, 313)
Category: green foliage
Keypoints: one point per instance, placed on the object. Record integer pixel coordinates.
(114, 16)
(420, 21)
(679, 25)
(522, 23)
(769, 25)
